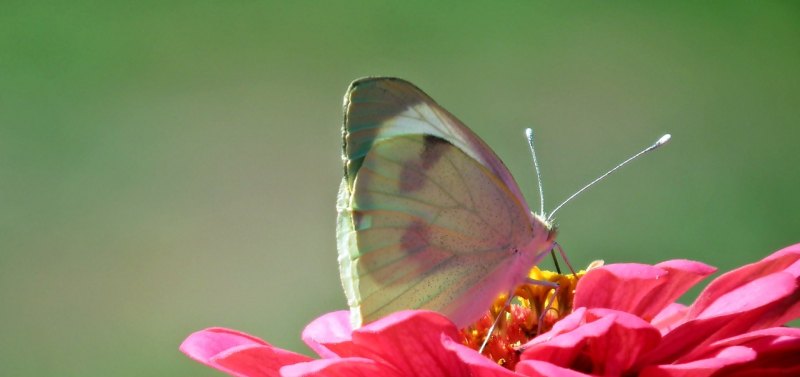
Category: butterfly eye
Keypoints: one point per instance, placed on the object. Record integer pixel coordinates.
(551, 235)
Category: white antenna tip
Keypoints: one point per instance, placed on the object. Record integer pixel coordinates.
(663, 140)
(529, 132)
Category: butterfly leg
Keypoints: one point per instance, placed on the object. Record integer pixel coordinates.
(556, 291)
(556, 245)
(494, 324)
(555, 259)
(551, 285)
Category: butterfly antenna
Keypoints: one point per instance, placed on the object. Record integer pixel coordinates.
(661, 141)
(529, 135)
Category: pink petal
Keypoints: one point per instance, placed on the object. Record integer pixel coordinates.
(536, 368)
(563, 347)
(237, 353)
(565, 327)
(638, 288)
(701, 368)
(478, 365)
(792, 253)
(204, 344)
(256, 361)
(753, 294)
(330, 335)
(776, 352)
(617, 286)
(610, 341)
(735, 312)
(786, 260)
(669, 317)
(620, 348)
(683, 274)
(774, 332)
(410, 341)
(766, 371)
(566, 324)
(341, 367)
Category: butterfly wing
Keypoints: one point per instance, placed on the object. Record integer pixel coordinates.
(429, 217)
(381, 108)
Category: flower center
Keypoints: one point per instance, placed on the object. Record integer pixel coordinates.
(520, 321)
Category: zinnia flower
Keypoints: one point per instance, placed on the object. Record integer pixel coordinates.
(624, 321)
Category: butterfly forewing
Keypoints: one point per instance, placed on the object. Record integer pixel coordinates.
(381, 108)
(428, 216)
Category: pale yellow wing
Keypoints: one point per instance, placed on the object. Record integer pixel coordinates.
(428, 216)
(429, 227)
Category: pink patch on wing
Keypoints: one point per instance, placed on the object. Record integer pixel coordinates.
(434, 149)
(415, 238)
(413, 177)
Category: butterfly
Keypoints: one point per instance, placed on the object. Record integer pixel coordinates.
(428, 216)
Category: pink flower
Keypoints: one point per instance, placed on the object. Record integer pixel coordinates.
(408, 343)
(625, 323)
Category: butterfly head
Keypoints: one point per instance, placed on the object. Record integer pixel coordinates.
(543, 226)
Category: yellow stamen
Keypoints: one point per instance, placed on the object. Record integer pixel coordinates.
(520, 320)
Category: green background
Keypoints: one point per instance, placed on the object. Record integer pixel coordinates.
(169, 166)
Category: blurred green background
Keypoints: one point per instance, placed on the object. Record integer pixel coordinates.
(169, 166)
